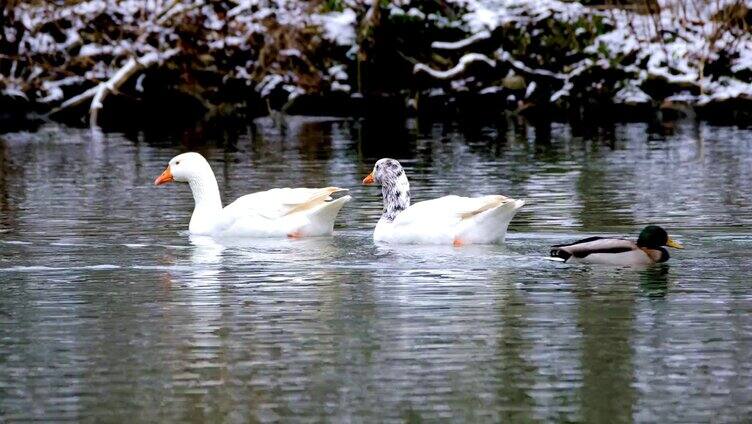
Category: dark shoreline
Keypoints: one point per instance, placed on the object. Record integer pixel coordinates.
(470, 110)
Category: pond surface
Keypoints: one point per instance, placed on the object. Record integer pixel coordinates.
(110, 312)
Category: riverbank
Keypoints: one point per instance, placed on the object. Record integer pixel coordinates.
(105, 62)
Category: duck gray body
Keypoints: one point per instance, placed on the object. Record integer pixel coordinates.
(609, 251)
(616, 251)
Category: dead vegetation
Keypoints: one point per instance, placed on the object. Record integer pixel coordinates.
(83, 58)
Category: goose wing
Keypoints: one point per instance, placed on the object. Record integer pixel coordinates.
(447, 210)
(280, 202)
(591, 245)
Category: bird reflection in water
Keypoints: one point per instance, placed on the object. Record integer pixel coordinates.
(654, 280)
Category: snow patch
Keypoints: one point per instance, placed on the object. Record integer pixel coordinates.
(339, 27)
(461, 44)
(631, 95)
(458, 69)
(268, 84)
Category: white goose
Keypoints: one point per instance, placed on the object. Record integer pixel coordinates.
(447, 220)
(280, 212)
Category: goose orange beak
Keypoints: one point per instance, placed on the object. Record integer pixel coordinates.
(166, 177)
(368, 180)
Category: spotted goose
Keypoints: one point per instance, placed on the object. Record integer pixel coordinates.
(447, 220)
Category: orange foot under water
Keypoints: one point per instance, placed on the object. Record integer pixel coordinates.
(457, 242)
(295, 235)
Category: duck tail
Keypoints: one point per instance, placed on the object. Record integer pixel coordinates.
(560, 253)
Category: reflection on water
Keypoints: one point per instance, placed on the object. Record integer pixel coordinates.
(654, 281)
(109, 309)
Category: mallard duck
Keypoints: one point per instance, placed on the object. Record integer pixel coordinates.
(447, 220)
(613, 251)
(280, 212)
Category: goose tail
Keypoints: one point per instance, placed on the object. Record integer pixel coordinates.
(490, 226)
(321, 220)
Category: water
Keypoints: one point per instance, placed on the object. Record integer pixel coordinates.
(109, 311)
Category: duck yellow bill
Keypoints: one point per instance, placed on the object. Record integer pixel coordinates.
(675, 244)
(166, 177)
(368, 180)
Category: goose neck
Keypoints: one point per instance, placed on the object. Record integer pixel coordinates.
(208, 204)
(396, 196)
(205, 191)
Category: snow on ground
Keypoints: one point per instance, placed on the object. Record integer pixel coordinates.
(675, 47)
(339, 27)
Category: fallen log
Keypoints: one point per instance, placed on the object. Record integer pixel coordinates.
(99, 93)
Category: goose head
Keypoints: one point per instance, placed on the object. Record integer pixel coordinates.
(193, 169)
(386, 172)
(185, 168)
(395, 188)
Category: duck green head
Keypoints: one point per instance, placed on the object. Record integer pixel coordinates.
(654, 237)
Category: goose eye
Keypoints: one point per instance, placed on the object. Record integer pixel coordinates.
(177, 163)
